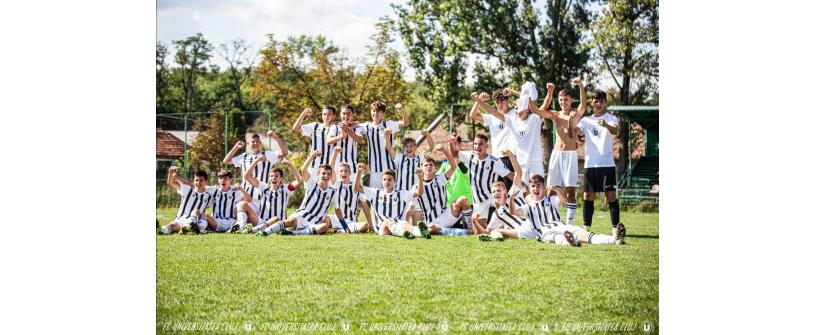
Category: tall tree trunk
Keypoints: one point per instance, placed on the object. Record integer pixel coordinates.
(548, 126)
(625, 99)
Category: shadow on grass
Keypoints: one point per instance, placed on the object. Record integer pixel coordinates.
(642, 236)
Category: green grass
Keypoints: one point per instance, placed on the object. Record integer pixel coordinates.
(243, 279)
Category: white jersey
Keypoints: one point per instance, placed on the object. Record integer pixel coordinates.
(387, 205)
(482, 174)
(500, 132)
(262, 170)
(543, 212)
(528, 135)
(271, 203)
(434, 197)
(502, 218)
(192, 199)
(350, 150)
(599, 141)
(319, 135)
(379, 159)
(348, 201)
(224, 204)
(316, 202)
(406, 171)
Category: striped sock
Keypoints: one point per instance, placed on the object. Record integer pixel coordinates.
(274, 228)
(468, 217)
(166, 230)
(242, 217)
(259, 227)
(571, 208)
(600, 239)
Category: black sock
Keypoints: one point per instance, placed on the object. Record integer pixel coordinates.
(588, 211)
(614, 208)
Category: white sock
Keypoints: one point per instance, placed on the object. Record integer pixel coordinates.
(396, 229)
(416, 231)
(453, 232)
(571, 208)
(242, 217)
(304, 231)
(274, 228)
(259, 227)
(165, 230)
(600, 239)
(468, 218)
(496, 234)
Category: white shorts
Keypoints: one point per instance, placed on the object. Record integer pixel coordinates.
(446, 219)
(224, 225)
(302, 222)
(381, 230)
(257, 213)
(375, 180)
(482, 209)
(352, 225)
(187, 221)
(562, 169)
(559, 229)
(532, 168)
(526, 231)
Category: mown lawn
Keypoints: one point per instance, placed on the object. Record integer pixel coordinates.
(261, 283)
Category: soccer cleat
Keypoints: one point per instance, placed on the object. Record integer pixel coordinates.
(408, 235)
(619, 234)
(235, 228)
(485, 238)
(195, 228)
(570, 238)
(159, 232)
(587, 228)
(261, 234)
(423, 229)
(185, 229)
(247, 229)
(286, 232)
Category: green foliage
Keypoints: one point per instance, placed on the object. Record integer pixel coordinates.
(367, 278)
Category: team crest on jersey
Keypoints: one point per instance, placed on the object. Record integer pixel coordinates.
(595, 131)
(500, 126)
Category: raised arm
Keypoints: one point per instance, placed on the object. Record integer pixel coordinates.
(511, 199)
(361, 169)
(508, 91)
(284, 151)
(350, 132)
(232, 152)
(172, 178)
(405, 119)
(451, 160)
(547, 103)
(249, 176)
(304, 170)
(518, 179)
(333, 161)
(388, 144)
(614, 130)
(420, 183)
(481, 101)
(246, 196)
(298, 179)
(299, 122)
(474, 113)
(581, 109)
(430, 143)
(452, 146)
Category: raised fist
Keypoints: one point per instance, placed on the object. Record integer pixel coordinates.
(601, 122)
(285, 161)
(399, 107)
(315, 154)
(474, 96)
(506, 92)
(550, 87)
(419, 172)
(262, 158)
(425, 133)
(362, 168)
(506, 152)
(484, 96)
(387, 132)
(240, 144)
(271, 134)
(173, 170)
(577, 81)
(338, 149)
(307, 111)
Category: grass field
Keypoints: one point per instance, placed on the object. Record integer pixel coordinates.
(263, 283)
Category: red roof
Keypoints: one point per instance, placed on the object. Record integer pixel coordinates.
(168, 146)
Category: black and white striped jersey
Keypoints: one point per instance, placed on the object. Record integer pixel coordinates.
(385, 205)
(319, 135)
(482, 174)
(191, 199)
(502, 218)
(224, 204)
(350, 150)
(543, 212)
(378, 157)
(348, 201)
(262, 170)
(406, 171)
(271, 202)
(316, 202)
(433, 201)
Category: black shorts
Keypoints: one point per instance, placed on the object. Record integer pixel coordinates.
(600, 179)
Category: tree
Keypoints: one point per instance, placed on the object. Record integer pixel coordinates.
(240, 62)
(191, 56)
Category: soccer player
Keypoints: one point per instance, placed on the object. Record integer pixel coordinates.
(261, 171)
(600, 174)
(349, 138)
(542, 210)
(194, 201)
(432, 197)
(390, 207)
(309, 218)
(563, 161)
(527, 131)
(268, 202)
(406, 163)
(224, 202)
(373, 131)
(505, 223)
(319, 134)
(500, 130)
(348, 200)
(484, 170)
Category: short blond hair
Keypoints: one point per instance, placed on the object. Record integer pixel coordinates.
(498, 183)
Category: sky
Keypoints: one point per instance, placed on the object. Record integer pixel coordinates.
(348, 23)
